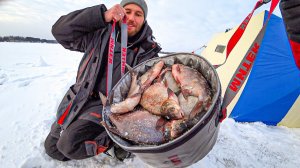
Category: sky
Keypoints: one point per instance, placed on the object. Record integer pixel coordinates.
(177, 25)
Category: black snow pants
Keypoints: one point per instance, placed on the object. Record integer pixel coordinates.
(82, 139)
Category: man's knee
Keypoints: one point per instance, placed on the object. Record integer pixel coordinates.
(67, 146)
(80, 140)
(52, 150)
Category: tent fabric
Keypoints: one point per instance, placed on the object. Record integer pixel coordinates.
(292, 119)
(274, 83)
(271, 92)
(227, 70)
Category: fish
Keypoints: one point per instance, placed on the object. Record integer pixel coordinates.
(166, 77)
(193, 83)
(142, 127)
(160, 100)
(132, 99)
(187, 104)
(136, 89)
(147, 78)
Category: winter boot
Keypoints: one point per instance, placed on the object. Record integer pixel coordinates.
(119, 153)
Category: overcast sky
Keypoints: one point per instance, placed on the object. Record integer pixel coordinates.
(178, 25)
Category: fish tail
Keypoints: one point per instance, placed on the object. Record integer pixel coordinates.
(162, 74)
(103, 98)
(111, 129)
(131, 70)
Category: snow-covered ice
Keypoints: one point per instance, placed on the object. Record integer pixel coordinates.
(33, 80)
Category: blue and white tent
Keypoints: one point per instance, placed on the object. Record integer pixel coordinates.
(271, 92)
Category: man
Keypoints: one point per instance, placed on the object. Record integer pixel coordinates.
(77, 133)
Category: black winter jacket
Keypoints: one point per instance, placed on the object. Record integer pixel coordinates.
(86, 31)
(290, 10)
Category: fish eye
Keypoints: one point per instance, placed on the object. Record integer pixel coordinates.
(172, 109)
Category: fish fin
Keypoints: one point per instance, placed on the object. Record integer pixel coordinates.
(176, 79)
(162, 74)
(160, 124)
(139, 82)
(170, 93)
(135, 95)
(111, 96)
(196, 109)
(129, 67)
(141, 90)
(107, 126)
(199, 107)
(147, 83)
(160, 77)
(166, 83)
(168, 69)
(178, 69)
(207, 103)
(185, 93)
(103, 98)
(131, 70)
(111, 129)
(104, 124)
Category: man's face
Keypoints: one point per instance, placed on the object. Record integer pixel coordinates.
(135, 18)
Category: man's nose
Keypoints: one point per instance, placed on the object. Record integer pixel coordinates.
(130, 17)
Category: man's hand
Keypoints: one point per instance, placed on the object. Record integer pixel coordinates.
(116, 12)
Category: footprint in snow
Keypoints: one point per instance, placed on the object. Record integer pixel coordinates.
(26, 81)
(33, 162)
(23, 84)
(3, 78)
(26, 64)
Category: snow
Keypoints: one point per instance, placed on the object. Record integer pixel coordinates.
(33, 80)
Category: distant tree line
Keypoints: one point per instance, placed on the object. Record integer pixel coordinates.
(25, 39)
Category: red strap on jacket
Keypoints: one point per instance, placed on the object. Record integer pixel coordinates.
(111, 53)
(124, 37)
(110, 61)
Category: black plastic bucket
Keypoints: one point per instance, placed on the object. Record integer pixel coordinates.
(194, 144)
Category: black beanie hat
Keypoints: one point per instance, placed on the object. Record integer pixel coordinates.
(140, 3)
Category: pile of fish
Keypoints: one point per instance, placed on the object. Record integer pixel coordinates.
(161, 104)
